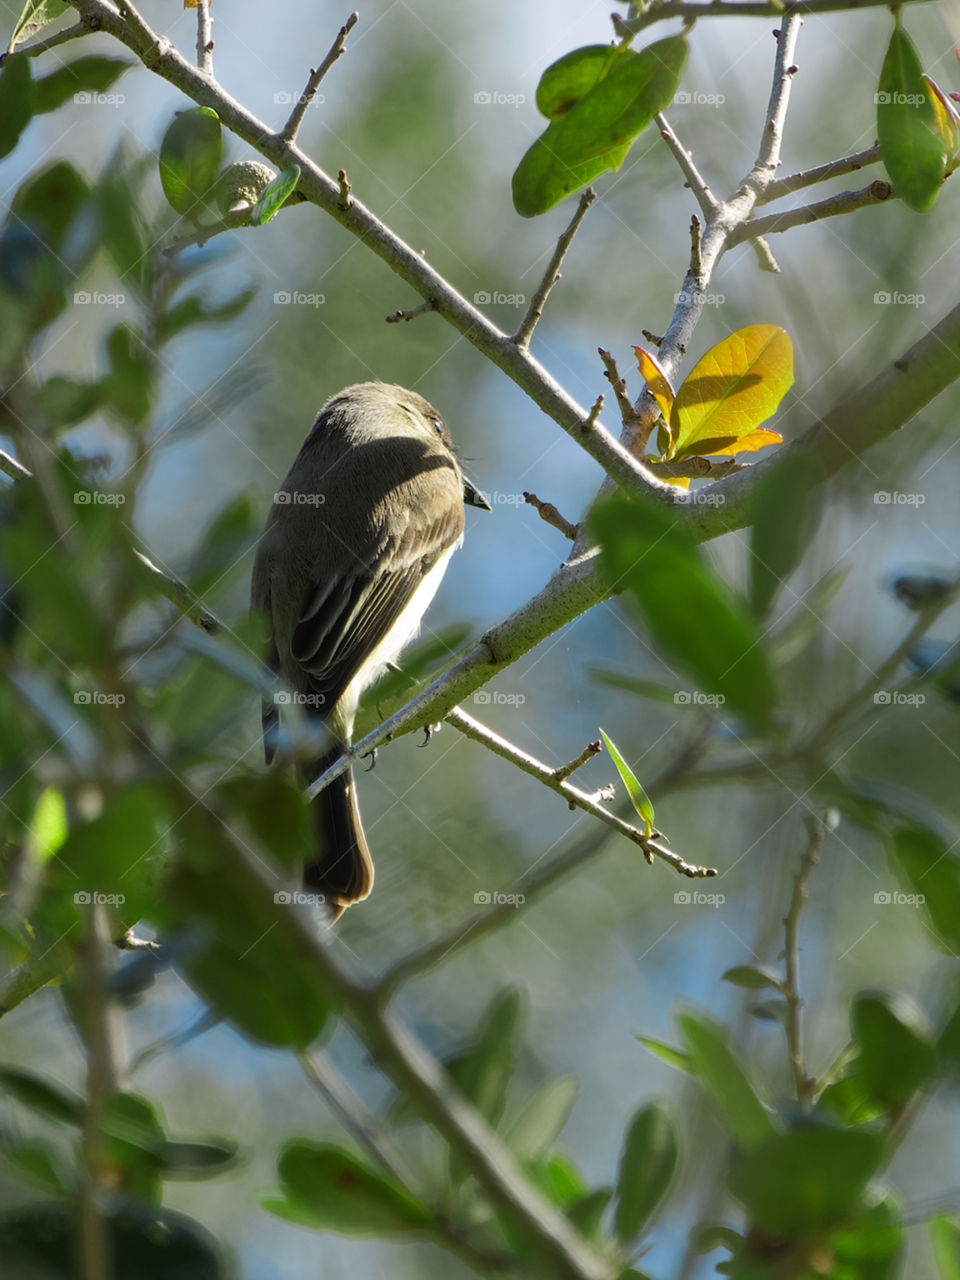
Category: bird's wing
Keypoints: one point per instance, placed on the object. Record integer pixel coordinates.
(343, 621)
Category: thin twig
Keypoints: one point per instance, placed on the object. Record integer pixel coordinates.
(528, 764)
(12, 468)
(594, 414)
(695, 181)
(768, 158)
(692, 12)
(179, 593)
(822, 173)
(289, 131)
(552, 274)
(589, 751)
(548, 512)
(628, 414)
(765, 259)
(232, 221)
(818, 829)
(878, 192)
(204, 37)
(696, 266)
(429, 305)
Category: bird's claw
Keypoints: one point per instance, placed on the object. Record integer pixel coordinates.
(372, 757)
(428, 731)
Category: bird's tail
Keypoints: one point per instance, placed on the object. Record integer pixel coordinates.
(343, 868)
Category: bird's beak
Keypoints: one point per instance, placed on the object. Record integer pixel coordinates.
(473, 497)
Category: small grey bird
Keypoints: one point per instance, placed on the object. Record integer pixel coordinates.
(360, 534)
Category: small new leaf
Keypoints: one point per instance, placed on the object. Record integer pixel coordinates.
(638, 797)
(270, 202)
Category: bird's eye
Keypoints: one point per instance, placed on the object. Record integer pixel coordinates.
(438, 424)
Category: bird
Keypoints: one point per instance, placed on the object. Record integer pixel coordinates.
(359, 536)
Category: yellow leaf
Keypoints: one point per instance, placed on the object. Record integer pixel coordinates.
(737, 385)
(752, 441)
(948, 123)
(657, 381)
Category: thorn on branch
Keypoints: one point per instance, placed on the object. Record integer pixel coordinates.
(589, 751)
(628, 414)
(594, 414)
(345, 189)
(429, 305)
(548, 512)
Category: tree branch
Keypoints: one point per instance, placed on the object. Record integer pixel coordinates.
(292, 127)
(691, 12)
(204, 37)
(552, 274)
(818, 829)
(705, 197)
(822, 173)
(844, 202)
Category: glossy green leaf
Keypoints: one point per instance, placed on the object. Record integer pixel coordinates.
(650, 1156)
(945, 1244)
(896, 1052)
(638, 797)
(694, 618)
(45, 1096)
(571, 77)
(849, 1100)
(35, 15)
(668, 1054)
(595, 134)
(786, 506)
(190, 156)
(544, 1115)
(869, 1249)
(130, 385)
(807, 1181)
(725, 1079)
(80, 79)
(930, 870)
(48, 826)
(329, 1188)
(17, 98)
(752, 977)
(911, 146)
(274, 195)
(588, 1212)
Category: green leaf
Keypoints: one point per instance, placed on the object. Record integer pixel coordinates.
(35, 15)
(66, 402)
(48, 827)
(872, 1244)
(650, 1156)
(483, 1073)
(37, 1163)
(725, 1080)
(571, 77)
(849, 1100)
(587, 1213)
(130, 385)
(595, 134)
(46, 1097)
(691, 614)
(668, 1054)
(273, 197)
(931, 870)
(330, 1189)
(945, 1243)
(911, 147)
(786, 510)
(190, 156)
(806, 1181)
(897, 1056)
(17, 99)
(538, 1125)
(194, 310)
(638, 797)
(752, 978)
(84, 76)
